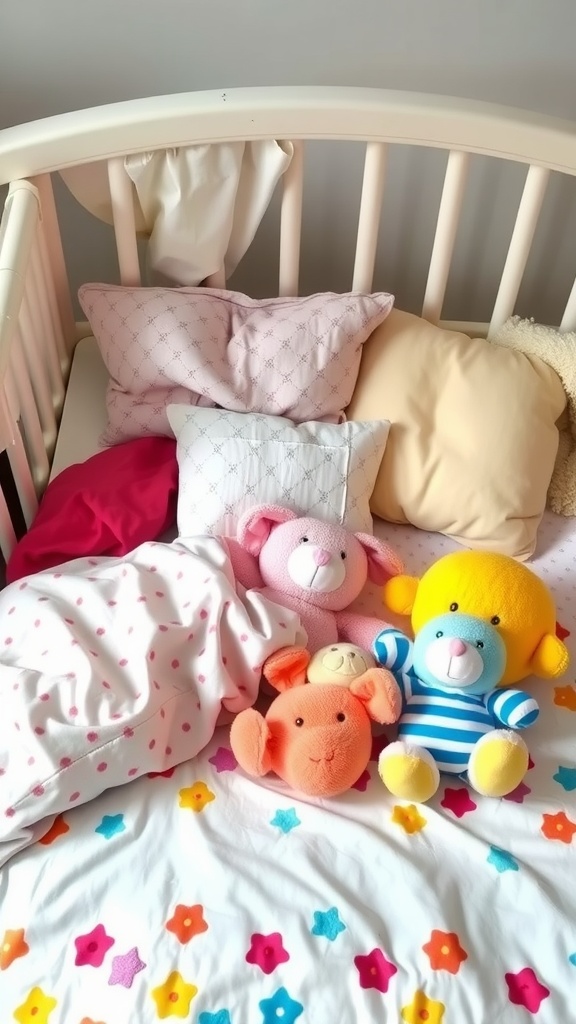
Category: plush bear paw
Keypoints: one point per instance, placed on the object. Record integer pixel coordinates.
(409, 772)
(498, 763)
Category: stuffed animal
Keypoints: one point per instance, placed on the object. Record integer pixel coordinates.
(481, 622)
(317, 738)
(318, 570)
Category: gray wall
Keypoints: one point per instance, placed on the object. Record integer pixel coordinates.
(68, 54)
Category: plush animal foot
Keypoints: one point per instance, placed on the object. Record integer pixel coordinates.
(410, 773)
(498, 763)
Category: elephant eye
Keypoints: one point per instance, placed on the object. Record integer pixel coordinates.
(342, 555)
(495, 620)
(303, 540)
(453, 607)
(341, 717)
(299, 721)
(439, 633)
(479, 644)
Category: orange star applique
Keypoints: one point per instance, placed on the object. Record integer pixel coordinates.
(186, 922)
(12, 946)
(173, 998)
(422, 1009)
(59, 828)
(408, 817)
(558, 826)
(196, 796)
(36, 1009)
(565, 697)
(445, 952)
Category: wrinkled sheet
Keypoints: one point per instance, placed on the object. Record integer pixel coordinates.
(112, 667)
(203, 895)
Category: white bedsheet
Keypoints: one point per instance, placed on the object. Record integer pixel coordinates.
(206, 896)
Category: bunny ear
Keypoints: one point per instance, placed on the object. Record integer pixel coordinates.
(382, 559)
(257, 523)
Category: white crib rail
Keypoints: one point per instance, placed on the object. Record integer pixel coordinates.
(34, 352)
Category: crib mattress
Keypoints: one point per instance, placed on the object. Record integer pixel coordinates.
(203, 895)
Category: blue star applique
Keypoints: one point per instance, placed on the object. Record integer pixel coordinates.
(111, 825)
(566, 777)
(220, 1017)
(572, 959)
(502, 860)
(327, 923)
(286, 820)
(280, 1007)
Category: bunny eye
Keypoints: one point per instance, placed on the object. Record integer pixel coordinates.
(342, 555)
(299, 722)
(303, 540)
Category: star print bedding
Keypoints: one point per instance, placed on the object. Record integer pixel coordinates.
(196, 893)
(110, 668)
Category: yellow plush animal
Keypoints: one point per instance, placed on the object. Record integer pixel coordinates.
(481, 622)
(497, 589)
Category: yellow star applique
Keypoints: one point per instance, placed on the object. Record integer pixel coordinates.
(173, 998)
(422, 1009)
(408, 817)
(36, 1009)
(196, 796)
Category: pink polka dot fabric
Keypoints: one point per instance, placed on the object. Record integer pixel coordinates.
(116, 667)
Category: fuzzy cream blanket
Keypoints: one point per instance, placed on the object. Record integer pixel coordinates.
(559, 351)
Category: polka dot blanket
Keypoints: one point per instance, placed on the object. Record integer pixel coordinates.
(195, 893)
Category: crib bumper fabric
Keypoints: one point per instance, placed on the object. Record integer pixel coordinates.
(111, 668)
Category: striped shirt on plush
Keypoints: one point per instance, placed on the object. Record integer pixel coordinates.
(446, 723)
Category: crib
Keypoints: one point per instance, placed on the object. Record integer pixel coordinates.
(255, 904)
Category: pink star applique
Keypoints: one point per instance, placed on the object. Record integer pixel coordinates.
(92, 948)
(125, 967)
(458, 801)
(375, 970)
(378, 744)
(267, 951)
(161, 775)
(223, 760)
(517, 795)
(530, 762)
(525, 990)
(362, 782)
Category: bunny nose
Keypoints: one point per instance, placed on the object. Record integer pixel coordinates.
(321, 557)
(456, 648)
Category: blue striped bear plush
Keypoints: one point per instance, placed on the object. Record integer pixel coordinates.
(455, 719)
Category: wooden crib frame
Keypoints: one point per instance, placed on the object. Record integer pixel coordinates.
(38, 332)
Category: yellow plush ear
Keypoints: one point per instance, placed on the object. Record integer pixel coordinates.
(550, 659)
(400, 593)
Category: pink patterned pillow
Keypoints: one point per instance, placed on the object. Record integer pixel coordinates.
(293, 357)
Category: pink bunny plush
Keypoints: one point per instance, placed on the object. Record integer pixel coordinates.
(318, 570)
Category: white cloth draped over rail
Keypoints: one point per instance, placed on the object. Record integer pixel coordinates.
(199, 206)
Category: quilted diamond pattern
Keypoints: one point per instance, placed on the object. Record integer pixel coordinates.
(230, 461)
(292, 357)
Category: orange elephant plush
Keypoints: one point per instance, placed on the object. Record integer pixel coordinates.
(316, 738)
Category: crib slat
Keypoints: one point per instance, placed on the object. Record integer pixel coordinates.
(23, 478)
(27, 339)
(519, 249)
(30, 420)
(291, 223)
(369, 217)
(7, 535)
(52, 300)
(53, 254)
(569, 318)
(48, 335)
(445, 236)
(124, 222)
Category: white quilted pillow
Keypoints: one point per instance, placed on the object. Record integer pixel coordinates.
(230, 461)
(296, 356)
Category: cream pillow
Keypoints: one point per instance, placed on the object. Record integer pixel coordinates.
(473, 438)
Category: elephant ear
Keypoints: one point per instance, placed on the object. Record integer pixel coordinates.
(379, 693)
(251, 742)
(287, 668)
(551, 658)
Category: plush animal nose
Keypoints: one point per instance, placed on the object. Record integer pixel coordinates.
(456, 648)
(321, 557)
